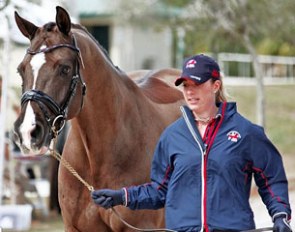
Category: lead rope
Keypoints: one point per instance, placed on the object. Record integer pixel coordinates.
(260, 229)
(68, 166)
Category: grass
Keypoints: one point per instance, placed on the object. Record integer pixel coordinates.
(279, 112)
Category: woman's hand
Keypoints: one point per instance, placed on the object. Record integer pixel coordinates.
(108, 198)
(281, 224)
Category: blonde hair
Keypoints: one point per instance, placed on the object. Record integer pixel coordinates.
(221, 95)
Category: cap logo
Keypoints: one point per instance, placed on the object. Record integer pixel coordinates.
(215, 74)
(191, 64)
(233, 136)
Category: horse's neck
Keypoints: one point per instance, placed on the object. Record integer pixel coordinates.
(107, 124)
(106, 84)
(109, 93)
(107, 117)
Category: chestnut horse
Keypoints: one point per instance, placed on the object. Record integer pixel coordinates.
(115, 124)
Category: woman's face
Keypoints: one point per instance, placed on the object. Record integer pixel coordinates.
(200, 97)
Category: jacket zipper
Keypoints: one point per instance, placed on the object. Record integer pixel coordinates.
(205, 191)
(203, 154)
(204, 163)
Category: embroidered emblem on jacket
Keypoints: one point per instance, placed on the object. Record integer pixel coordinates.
(233, 136)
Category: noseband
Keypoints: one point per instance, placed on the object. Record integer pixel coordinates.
(44, 101)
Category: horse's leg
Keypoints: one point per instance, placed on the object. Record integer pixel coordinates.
(79, 212)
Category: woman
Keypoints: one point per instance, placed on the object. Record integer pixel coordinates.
(204, 162)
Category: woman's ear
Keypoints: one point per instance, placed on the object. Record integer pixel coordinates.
(216, 85)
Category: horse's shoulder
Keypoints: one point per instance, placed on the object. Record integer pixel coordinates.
(158, 85)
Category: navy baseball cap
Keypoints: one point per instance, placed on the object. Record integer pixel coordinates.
(199, 68)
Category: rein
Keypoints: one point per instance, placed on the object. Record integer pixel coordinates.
(69, 167)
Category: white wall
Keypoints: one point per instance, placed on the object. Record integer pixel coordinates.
(132, 47)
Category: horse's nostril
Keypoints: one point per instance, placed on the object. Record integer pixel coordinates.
(37, 134)
(15, 137)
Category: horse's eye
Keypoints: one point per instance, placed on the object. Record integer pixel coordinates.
(65, 70)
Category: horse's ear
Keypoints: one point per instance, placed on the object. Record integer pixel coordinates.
(63, 20)
(27, 28)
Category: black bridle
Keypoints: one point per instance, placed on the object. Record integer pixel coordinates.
(44, 101)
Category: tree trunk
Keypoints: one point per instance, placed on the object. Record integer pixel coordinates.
(260, 95)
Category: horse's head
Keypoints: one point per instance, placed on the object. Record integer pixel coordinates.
(52, 88)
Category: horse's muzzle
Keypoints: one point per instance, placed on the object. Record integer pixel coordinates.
(32, 139)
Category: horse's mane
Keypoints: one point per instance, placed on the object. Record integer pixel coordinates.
(105, 52)
(155, 89)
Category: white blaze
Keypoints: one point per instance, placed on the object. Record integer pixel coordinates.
(37, 61)
(29, 122)
(28, 126)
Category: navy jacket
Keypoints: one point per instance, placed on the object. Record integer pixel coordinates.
(207, 186)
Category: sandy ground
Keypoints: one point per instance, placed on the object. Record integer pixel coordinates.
(262, 218)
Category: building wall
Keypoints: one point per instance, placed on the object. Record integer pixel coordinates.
(134, 48)
(131, 47)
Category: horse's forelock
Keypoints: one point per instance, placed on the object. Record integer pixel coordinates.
(49, 26)
(49, 35)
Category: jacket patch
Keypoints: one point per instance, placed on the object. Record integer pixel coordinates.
(233, 136)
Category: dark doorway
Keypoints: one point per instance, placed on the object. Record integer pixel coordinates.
(101, 34)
